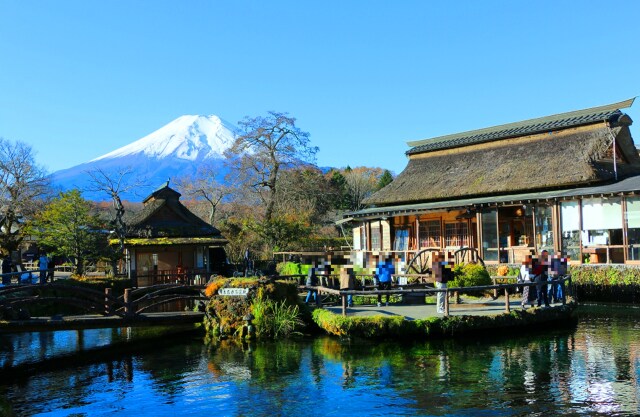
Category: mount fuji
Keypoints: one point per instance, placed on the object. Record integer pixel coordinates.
(175, 150)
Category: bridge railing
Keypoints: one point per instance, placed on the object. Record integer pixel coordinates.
(423, 289)
(173, 276)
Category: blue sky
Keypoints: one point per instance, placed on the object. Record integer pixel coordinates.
(81, 78)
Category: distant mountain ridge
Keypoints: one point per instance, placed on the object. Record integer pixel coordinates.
(175, 150)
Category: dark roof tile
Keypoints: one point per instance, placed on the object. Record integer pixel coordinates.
(526, 127)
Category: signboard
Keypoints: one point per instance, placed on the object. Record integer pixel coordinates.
(241, 292)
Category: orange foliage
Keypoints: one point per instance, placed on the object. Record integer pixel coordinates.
(503, 270)
(212, 288)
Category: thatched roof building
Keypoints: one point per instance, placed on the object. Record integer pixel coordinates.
(165, 219)
(565, 183)
(168, 243)
(561, 151)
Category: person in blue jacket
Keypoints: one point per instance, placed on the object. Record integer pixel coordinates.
(384, 271)
(44, 266)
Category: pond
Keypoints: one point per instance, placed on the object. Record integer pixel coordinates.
(591, 369)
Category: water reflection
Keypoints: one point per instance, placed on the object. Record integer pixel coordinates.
(590, 370)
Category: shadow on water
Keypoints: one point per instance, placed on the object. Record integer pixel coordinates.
(29, 353)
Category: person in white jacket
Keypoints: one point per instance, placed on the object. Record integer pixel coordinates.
(525, 276)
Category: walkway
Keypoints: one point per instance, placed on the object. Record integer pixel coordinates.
(473, 307)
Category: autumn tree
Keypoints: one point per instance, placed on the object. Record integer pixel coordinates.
(267, 146)
(23, 186)
(304, 192)
(67, 227)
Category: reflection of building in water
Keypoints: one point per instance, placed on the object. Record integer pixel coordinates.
(601, 375)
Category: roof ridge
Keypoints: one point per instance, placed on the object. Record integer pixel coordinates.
(577, 115)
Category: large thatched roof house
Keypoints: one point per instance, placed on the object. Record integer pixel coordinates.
(167, 242)
(564, 182)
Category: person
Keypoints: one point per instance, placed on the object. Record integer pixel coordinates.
(442, 273)
(247, 263)
(347, 282)
(6, 269)
(384, 271)
(557, 271)
(524, 276)
(312, 281)
(554, 274)
(540, 271)
(43, 266)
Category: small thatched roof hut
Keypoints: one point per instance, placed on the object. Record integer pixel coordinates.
(167, 243)
(164, 216)
(561, 151)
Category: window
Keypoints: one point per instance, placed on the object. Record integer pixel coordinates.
(632, 217)
(490, 235)
(376, 237)
(602, 230)
(601, 221)
(456, 234)
(544, 228)
(570, 219)
(401, 241)
(430, 234)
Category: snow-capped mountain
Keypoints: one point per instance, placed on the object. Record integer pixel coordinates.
(175, 150)
(187, 137)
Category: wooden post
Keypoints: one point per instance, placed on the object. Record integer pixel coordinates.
(446, 303)
(507, 307)
(127, 303)
(495, 290)
(318, 298)
(107, 301)
(344, 304)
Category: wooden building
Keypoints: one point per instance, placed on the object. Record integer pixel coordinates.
(568, 182)
(166, 242)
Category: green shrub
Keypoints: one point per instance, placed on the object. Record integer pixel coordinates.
(288, 268)
(470, 275)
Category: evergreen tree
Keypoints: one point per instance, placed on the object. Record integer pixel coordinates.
(385, 179)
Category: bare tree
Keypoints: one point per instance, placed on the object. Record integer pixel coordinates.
(115, 184)
(23, 186)
(361, 182)
(204, 187)
(268, 145)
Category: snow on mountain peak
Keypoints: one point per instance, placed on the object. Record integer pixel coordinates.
(189, 137)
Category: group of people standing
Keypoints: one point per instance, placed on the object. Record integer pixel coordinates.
(316, 272)
(544, 271)
(382, 278)
(45, 268)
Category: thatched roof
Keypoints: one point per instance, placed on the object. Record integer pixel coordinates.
(575, 150)
(625, 186)
(164, 216)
